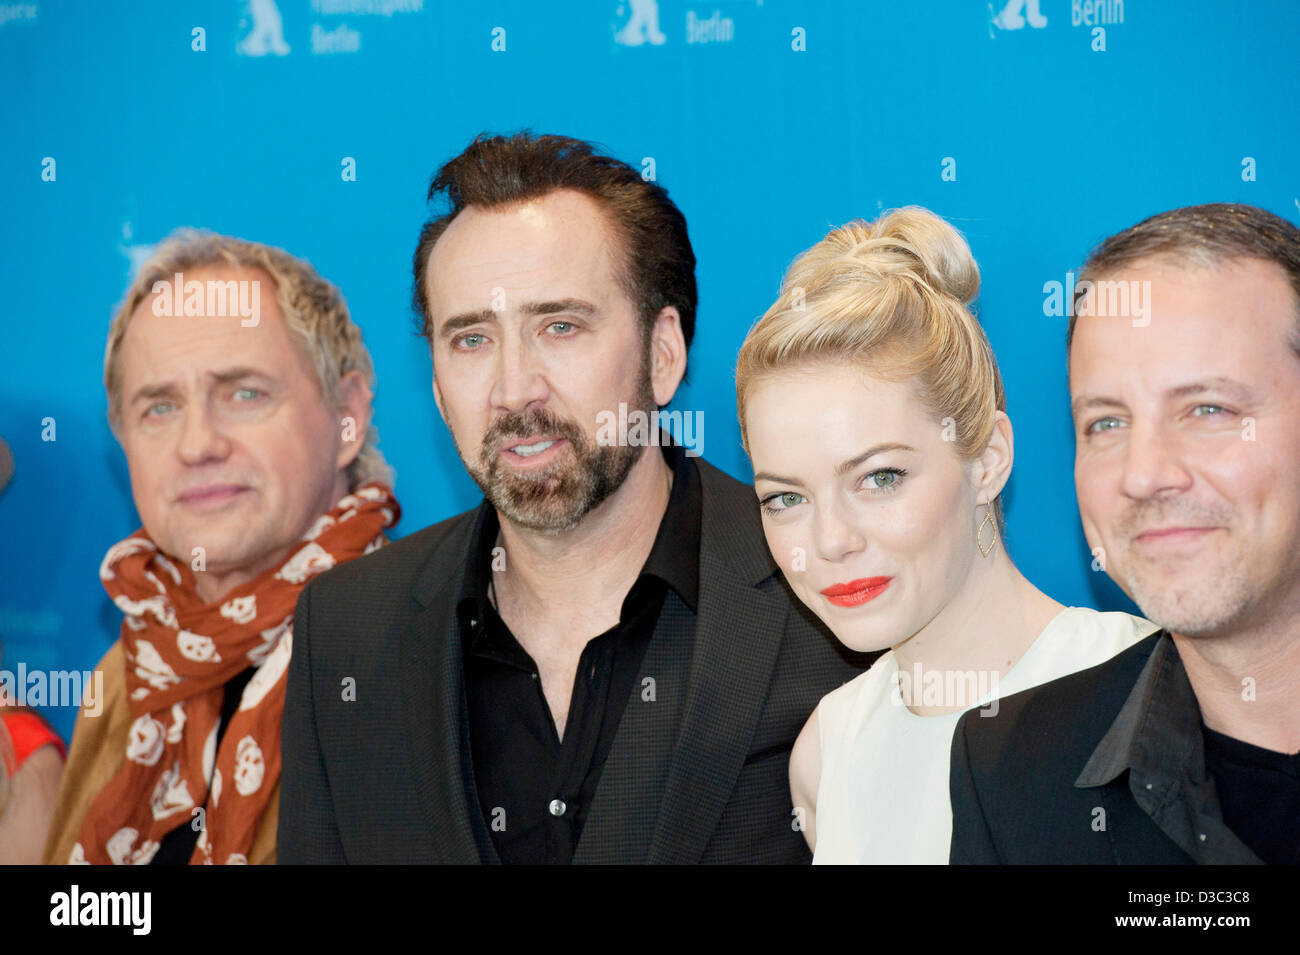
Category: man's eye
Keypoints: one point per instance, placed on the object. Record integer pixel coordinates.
(159, 408)
(470, 341)
(247, 394)
(1209, 410)
(1103, 424)
(563, 328)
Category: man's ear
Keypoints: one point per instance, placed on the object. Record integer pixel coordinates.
(356, 407)
(667, 355)
(992, 469)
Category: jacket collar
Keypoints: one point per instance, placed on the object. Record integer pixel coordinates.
(1156, 738)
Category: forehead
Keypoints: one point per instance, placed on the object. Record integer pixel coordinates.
(833, 407)
(1235, 320)
(171, 345)
(560, 244)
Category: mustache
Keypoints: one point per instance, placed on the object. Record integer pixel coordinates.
(1146, 516)
(525, 424)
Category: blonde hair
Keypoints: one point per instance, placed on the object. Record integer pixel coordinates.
(891, 296)
(313, 308)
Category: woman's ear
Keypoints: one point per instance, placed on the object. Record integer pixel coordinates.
(992, 468)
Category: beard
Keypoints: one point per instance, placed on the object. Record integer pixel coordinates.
(1193, 595)
(558, 496)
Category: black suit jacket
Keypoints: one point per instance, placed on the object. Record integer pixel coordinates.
(699, 774)
(1013, 777)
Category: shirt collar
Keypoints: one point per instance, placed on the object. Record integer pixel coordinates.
(1158, 729)
(1157, 739)
(674, 558)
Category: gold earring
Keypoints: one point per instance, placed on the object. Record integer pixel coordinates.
(979, 534)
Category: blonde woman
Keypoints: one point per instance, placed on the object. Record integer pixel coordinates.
(873, 413)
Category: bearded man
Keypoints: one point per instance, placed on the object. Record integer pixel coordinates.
(601, 663)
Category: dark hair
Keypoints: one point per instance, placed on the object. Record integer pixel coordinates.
(1201, 237)
(658, 266)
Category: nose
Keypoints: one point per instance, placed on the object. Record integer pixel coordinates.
(1153, 466)
(201, 441)
(835, 531)
(520, 381)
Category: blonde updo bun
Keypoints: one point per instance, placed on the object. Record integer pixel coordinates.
(893, 296)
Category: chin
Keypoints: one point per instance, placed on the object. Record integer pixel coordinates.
(857, 638)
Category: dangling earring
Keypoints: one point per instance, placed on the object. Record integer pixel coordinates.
(979, 534)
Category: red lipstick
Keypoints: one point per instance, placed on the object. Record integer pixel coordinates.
(856, 592)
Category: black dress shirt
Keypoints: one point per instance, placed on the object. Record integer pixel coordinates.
(533, 788)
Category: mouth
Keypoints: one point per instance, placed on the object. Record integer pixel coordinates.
(1173, 535)
(211, 496)
(856, 592)
(532, 452)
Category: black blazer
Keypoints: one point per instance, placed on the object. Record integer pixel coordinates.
(1012, 780)
(698, 775)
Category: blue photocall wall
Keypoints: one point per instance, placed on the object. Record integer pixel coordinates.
(1036, 129)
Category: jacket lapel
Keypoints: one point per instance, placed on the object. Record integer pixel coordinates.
(433, 706)
(737, 637)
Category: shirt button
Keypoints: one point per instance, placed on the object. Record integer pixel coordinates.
(557, 807)
(536, 676)
(473, 623)
(1201, 836)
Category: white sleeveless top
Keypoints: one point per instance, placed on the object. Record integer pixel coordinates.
(883, 794)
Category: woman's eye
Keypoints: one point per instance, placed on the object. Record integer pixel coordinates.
(885, 479)
(781, 502)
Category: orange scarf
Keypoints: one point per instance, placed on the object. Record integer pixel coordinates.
(180, 653)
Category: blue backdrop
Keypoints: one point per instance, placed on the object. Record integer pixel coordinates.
(769, 121)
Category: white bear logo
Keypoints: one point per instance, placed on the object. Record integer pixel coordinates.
(267, 35)
(1010, 18)
(643, 27)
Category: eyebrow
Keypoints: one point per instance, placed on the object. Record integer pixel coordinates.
(554, 307)
(225, 376)
(842, 468)
(1218, 383)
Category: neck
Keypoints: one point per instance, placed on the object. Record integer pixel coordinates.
(1245, 682)
(587, 571)
(986, 628)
